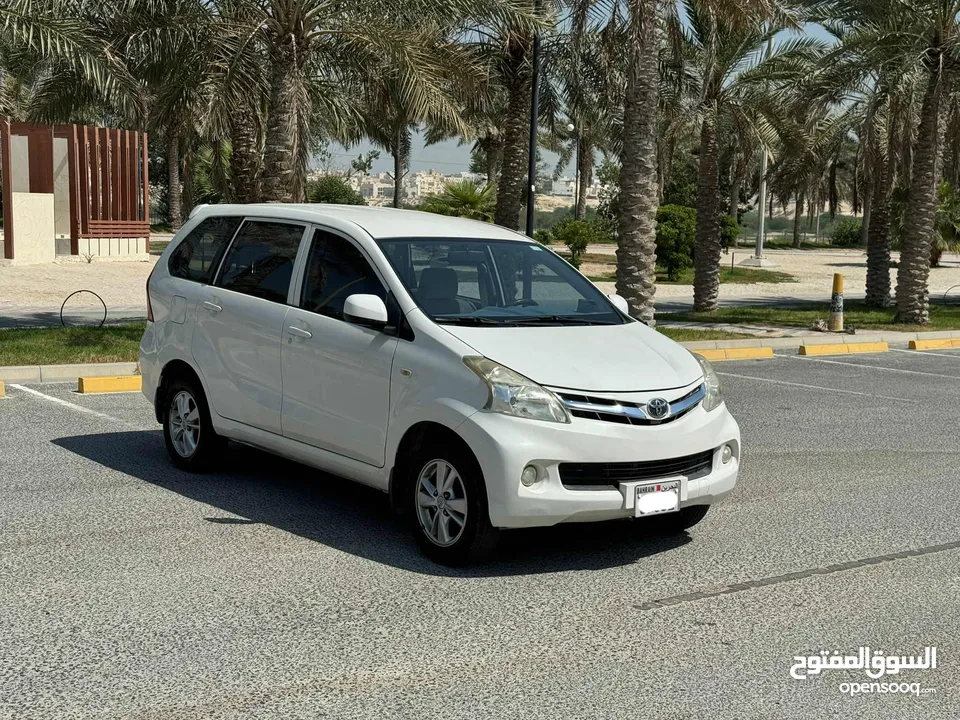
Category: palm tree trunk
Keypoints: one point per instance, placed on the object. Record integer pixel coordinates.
(735, 199)
(913, 270)
(867, 219)
(586, 175)
(797, 214)
(280, 143)
(639, 198)
(189, 183)
(706, 259)
(515, 139)
(245, 157)
(397, 172)
(878, 233)
(173, 181)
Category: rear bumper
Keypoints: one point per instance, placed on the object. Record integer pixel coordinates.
(505, 445)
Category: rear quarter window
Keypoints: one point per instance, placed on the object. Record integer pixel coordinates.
(197, 256)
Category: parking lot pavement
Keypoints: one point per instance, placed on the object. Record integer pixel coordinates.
(130, 589)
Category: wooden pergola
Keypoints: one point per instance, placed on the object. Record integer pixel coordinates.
(109, 183)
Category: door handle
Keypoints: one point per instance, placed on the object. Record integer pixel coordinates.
(212, 306)
(299, 331)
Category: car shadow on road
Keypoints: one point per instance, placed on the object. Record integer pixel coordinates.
(256, 487)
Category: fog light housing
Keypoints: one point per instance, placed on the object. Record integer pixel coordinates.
(529, 476)
(726, 454)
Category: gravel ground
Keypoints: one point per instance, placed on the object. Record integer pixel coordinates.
(814, 269)
(266, 590)
(119, 283)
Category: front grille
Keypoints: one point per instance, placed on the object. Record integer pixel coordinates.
(593, 475)
(589, 407)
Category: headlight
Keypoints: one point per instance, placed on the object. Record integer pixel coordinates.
(712, 382)
(513, 394)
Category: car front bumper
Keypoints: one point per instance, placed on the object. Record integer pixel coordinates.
(504, 445)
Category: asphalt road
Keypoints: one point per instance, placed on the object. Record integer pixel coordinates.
(131, 590)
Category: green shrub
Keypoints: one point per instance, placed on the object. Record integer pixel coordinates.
(676, 237)
(847, 232)
(544, 237)
(334, 190)
(729, 231)
(576, 235)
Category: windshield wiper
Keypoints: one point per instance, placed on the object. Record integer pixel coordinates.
(466, 320)
(558, 320)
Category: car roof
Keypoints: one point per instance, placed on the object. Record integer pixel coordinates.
(378, 222)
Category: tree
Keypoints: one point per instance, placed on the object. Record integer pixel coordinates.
(725, 45)
(922, 37)
(464, 198)
(639, 192)
(334, 190)
(676, 237)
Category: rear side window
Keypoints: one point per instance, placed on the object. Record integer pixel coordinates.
(260, 260)
(196, 258)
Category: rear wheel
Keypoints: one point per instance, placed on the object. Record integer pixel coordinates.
(449, 515)
(675, 523)
(187, 429)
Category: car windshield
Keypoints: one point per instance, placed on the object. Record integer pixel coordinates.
(496, 282)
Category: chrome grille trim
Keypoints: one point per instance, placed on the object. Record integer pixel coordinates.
(608, 410)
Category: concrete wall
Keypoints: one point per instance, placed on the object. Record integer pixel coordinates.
(133, 248)
(61, 188)
(19, 164)
(33, 238)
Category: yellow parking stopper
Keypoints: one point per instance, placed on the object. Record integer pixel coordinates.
(835, 323)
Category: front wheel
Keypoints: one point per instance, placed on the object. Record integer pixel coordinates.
(450, 519)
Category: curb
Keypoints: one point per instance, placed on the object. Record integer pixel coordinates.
(2, 391)
(943, 344)
(844, 349)
(755, 353)
(64, 373)
(115, 384)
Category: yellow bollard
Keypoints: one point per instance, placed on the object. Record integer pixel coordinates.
(835, 323)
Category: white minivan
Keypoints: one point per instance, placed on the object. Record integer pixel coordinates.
(469, 372)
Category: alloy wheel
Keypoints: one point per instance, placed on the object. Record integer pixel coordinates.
(184, 424)
(441, 503)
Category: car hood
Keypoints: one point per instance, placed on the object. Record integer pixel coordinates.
(601, 358)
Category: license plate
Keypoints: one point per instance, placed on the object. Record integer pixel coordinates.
(657, 497)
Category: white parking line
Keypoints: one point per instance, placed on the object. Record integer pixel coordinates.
(818, 387)
(922, 353)
(871, 367)
(58, 401)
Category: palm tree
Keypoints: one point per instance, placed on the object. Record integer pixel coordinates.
(922, 37)
(49, 47)
(639, 192)
(319, 55)
(463, 198)
(725, 47)
(396, 105)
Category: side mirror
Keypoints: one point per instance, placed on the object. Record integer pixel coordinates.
(367, 310)
(619, 303)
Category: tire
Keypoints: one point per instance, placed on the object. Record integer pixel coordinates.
(451, 527)
(678, 522)
(192, 445)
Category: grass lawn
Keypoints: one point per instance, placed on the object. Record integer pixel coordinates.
(158, 246)
(59, 345)
(119, 343)
(691, 335)
(748, 276)
(856, 315)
